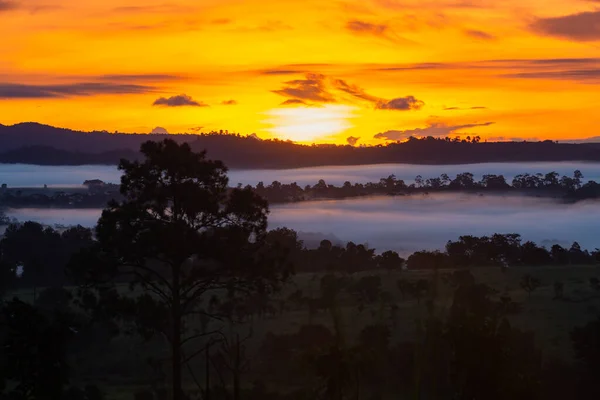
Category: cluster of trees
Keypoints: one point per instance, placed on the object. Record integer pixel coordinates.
(551, 183)
(571, 188)
(44, 264)
(195, 252)
(500, 250)
(91, 198)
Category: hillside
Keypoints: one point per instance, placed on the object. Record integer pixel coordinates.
(41, 144)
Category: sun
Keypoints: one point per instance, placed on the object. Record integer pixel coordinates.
(306, 124)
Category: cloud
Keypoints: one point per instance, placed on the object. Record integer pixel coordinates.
(354, 90)
(383, 31)
(312, 88)
(357, 26)
(138, 77)
(294, 102)
(582, 27)
(157, 9)
(436, 129)
(197, 129)
(24, 91)
(352, 140)
(476, 34)
(467, 108)
(178, 101)
(8, 5)
(229, 102)
(401, 103)
(279, 72)
(577, 75)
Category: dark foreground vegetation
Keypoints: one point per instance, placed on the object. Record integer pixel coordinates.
(32, 143)
(565, 188)
(182, 293)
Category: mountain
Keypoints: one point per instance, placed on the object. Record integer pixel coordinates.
(42, 144)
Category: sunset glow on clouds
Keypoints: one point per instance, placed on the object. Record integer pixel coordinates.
(306, 70)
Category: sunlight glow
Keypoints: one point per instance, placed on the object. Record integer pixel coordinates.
(306, 124)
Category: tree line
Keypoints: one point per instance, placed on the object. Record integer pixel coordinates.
(46, 145)
(551, 184)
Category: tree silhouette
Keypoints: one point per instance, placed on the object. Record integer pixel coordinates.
(530, 283)
(179, 233)
(33, 352)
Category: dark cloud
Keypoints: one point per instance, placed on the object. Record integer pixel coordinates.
(158, 8)
(383, 31)
(361, 27)
(436, 129)
(467, 108)
(294, 102)
(573, 69)
(139, 77)
(558, 61)
(180, 100)
(229, 102)
(577, 75)
(24, 91)
(279, 72)
(401, 103)
(355, 90)
(581, 27)
(352, 140)
(412, 67)
(312, 88)
(476, 34)
(197, 129)
(8, 5)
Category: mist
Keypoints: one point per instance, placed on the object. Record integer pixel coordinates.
(412, 223)
(409, 223)
(24, 175)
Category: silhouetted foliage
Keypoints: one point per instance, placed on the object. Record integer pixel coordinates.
(33, 352)
(530, 284)
(180, 233)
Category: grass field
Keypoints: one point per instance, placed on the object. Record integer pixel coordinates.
(121, 365)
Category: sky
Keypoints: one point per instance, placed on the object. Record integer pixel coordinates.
(312, 71)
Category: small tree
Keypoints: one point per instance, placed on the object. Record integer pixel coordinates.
(559, 290)
(179, 233)
(530, 284)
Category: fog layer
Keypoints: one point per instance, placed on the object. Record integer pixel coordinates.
(408, 224)
(21, 175)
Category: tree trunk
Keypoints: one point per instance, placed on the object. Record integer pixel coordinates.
(207, 372)
(236, 369)
(177, 393)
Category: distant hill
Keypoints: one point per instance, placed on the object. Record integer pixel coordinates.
(42, 144)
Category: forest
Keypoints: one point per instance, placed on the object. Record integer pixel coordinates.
(181, 292)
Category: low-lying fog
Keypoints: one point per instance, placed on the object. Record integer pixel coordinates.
(407, 224)
(21, 175)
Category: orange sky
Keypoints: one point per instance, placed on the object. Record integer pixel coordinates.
(305, 70)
